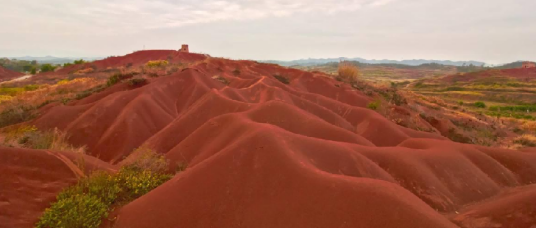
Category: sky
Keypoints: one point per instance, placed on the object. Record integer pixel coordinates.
(492, 31)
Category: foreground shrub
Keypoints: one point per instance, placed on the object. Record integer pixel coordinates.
(348, 72)
(78, 211)
(89, 201)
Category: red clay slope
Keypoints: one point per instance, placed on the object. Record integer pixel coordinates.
(262, 153)
(6, 74)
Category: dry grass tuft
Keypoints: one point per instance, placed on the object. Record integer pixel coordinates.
(348, 72)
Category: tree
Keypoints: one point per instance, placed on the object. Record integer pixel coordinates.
(47, 68)
(81, 61)
(33, 71)
(26, 68)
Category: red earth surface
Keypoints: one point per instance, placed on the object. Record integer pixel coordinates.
(6, 74)
(262, 153)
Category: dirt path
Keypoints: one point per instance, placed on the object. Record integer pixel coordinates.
(17, 79)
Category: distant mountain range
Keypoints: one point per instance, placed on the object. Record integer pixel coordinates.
(54, 60)
(311, 62)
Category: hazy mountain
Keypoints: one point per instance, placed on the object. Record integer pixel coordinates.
(54, 60)
(310, 62)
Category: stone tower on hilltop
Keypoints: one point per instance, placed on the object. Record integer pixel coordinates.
(184, 48)
(528, 64)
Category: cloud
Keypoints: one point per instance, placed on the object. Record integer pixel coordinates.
(133, 15)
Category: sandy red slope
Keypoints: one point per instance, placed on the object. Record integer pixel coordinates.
(6, 74)
(262, 153)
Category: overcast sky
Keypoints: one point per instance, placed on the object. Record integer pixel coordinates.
(493, 31)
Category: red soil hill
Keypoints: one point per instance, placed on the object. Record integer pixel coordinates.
(6, 74)
(262, 153)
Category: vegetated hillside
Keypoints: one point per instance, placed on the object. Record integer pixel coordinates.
(414, 62)
(265, 146)
(505, 96)
(6, 74)
(388, 72)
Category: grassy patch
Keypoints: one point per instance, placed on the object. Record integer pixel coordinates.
(526, 140)
(374, 105)
(89, 201)
(89, 92)
(31, 137)
(157, 63)
(16, 114)
(116, 78)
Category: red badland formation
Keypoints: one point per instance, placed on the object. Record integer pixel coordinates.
(261, 153)
(6, 74)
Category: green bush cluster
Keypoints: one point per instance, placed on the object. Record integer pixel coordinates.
(89, 201)
(480, 104)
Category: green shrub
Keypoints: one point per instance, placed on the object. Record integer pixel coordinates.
(480, 104)
(79, 211)
(374, 105)
(136, 182)
(281, 78)
(88, 202)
